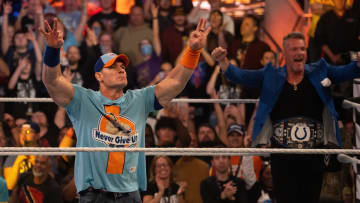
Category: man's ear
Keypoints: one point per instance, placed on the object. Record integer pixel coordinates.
(98, 76)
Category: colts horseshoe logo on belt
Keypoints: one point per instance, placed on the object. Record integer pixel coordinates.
(300, 132)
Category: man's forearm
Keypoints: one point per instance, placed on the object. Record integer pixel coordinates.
(325, 48)
(51, 70)
(224, 65)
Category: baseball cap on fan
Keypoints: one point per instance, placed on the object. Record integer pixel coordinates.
(107, 60)
(236, 128)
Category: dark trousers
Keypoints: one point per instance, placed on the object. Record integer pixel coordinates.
(97, 196)
(297, 178)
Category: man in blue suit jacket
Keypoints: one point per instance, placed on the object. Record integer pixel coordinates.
(296, 110)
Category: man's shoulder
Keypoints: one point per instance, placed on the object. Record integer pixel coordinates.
(138, 92)
(121, 30)
(83, 90)
(146, 28)
(209, 180)
(317, 65)
(82, 94)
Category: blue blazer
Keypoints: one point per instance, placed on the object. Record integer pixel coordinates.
(272, 80)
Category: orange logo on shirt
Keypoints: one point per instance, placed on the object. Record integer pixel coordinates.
(115, 131)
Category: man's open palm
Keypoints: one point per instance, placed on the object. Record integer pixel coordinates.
(53, 37)
(198, 37)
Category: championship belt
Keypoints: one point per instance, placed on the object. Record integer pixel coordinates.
(298, 132)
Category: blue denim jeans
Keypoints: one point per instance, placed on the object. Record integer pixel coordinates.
(107, 197)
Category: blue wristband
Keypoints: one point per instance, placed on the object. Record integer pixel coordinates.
(52, 56)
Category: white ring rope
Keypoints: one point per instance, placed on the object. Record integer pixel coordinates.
(9, 99)
(349, 104)
(180, 151)
(146, 153)
(165, 151)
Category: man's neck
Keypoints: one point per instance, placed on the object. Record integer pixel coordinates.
(111, 93)
(222, 176)
(295, 78)
(248, 38)
(73, 66)
(164, 13)
(40, 180)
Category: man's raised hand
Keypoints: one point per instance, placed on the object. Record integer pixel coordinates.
(198, 37)
(219, 54)
(53, 37)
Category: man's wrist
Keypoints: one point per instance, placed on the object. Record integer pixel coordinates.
(191, 58)
(52, 56)
(224, 65)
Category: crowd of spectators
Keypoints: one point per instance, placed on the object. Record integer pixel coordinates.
(154, 35)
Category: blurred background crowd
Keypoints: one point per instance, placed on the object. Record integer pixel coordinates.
(154, 33)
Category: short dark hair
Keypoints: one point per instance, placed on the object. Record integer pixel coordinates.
(271, 51)
(139, 5)
(19, 32)
(208, 126)
(71, 46)
(293, 35)
(255, 20)
(165, 122)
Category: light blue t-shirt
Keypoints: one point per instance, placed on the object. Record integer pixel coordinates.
(101, 170)
(4, 193)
